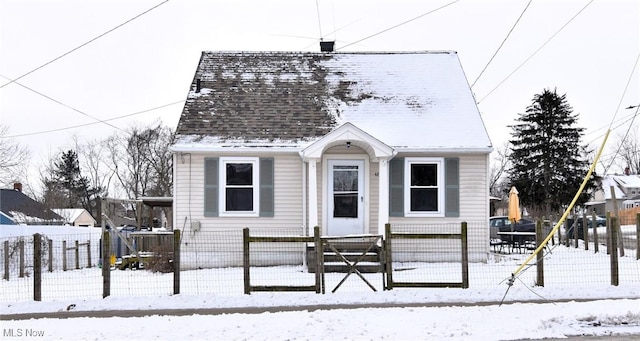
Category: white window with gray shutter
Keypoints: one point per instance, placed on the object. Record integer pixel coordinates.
(424, 187)
(238, 186)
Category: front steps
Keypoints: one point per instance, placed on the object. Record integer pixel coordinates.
(366, 250)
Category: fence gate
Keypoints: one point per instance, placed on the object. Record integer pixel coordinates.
(389, 237)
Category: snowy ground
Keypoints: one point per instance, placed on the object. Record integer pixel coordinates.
(587, 306)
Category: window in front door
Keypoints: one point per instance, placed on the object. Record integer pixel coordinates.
(345, 191)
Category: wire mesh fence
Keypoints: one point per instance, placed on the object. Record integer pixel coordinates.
(211, 263)
(69, 265)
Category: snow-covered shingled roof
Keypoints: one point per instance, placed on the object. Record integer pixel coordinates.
(406, 100)
(618, 181)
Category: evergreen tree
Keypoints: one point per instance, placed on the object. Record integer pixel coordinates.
(67, 188)
(548, 162)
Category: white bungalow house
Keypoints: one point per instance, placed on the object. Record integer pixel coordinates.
(344, 141)
(624, 188)
(76, 216)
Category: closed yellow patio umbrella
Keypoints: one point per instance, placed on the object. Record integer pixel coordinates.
(514, 206)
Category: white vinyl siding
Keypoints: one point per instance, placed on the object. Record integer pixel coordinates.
(189, 195)
(474, 208)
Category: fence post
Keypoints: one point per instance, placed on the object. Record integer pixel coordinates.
(614, 251)
(21, 248)
(317, 243)
(608, 234)
(37, 267)
(50, 251)
(638, 236)
(465, 256)
(585, 231)
(245, 260)
(575, 234)
(106, 264)
(595, 232)
(387, 255)
(77, 253)
(176, 262)
(6, 260)
(64, 255)
(539, 255)
(89, 253)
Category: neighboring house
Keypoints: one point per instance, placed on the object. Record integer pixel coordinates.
(344, 141)
(6, 220)
(76, 216)
(23, 210)
(626, 190)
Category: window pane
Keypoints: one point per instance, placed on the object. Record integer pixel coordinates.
(239, 199)
(345, 180)
(424, 199)
(239, 173)
(424, 175)
(345, 205)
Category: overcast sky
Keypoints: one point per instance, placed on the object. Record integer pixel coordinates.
(149, 62)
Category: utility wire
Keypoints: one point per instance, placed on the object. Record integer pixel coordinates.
(84, 44)
(63, 104)
(501, 44)
(92, 123)
(621, 122)
(319, 22)
(398, 25)
(536, 51)
(614, 116)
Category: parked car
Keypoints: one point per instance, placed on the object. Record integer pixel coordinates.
(502, 224)
(600, 222)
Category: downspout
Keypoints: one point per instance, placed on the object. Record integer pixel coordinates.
(304, 213)
(304, 199)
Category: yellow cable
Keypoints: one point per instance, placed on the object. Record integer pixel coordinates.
(566, 212)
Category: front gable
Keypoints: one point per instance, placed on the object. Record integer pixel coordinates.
(350, 135)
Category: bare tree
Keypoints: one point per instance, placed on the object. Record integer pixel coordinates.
(14, 159)
(94, 160)
(499, 167)
(626, 155)
(142, 163)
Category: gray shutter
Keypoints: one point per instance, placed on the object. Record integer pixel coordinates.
(452, 187)
(211, 187)
(396, 187)
(266, 187)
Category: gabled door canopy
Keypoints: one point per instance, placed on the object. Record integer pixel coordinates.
(351, 135)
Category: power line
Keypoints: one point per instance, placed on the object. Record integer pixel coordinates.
(621, 122)
(88, 124)
(535, 52)
(61, 103)
(501, 44)
(398, 25)
(614, 116)
(84, 44)
(319, 22)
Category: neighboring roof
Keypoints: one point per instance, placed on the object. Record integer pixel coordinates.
(157, 201)
(23, 209)
(290, 99)
(619, 181)
(627, 181)
(6, 220)
(71, 214)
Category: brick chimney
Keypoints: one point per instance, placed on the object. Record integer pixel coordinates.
(326, 46)
(627, 171)
(17, 186)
